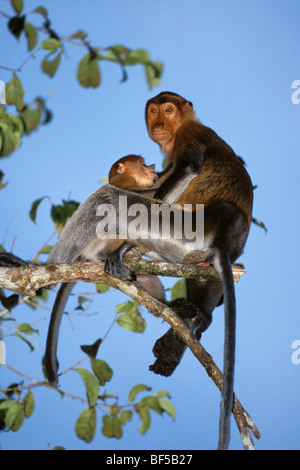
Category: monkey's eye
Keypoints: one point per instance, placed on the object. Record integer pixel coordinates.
(169, 110)
(153, 110)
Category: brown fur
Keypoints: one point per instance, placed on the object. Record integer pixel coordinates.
(130, 172)
(223, 178)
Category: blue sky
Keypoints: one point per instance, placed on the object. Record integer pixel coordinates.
(236, 61)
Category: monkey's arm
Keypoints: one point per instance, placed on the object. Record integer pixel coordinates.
(188, 161)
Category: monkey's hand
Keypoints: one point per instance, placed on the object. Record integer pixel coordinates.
(169, 349)
(114, 264)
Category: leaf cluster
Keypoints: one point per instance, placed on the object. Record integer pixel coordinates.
(14, 411)
(29, 116)
(116, 416)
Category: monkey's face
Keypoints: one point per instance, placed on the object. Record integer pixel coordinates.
(144, 175)
(163, 120)
(131, 172)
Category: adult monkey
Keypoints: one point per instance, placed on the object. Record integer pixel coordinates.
(201, 169)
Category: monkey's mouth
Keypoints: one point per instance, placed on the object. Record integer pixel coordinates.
(161, 135)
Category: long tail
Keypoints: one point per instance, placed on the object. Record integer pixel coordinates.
(224, 269)
(51, 362)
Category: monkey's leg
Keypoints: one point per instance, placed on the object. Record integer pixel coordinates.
(169, 349)
(197, 314)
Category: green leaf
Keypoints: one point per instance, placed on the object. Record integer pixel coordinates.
(91, 385)
(79, 35)
(16, 25)
(8, 140)
(137, 389)
(104, 179)
(17, 5)
(137, 56)
(178, 291)
(62, 212)
(153, 73)
(125, 416)
(162, 393)
(145, 417)
(88, 71)
(26, 328)
(28, 403)
(11, 131)
(46, 250)
(34, 208)
(31, 118)
(167, 406)
(51, 44)
(105, 396)
(151, 402)
(59, 448)
(32, 36)
(116, 53)
(85, 427)
(132, 320)
(15, 93)
(126, 307)
(50, 67)
(91, 349)
(102, 288)
(16, 125)
(112, 427)
(42, 11)
(14, 414)
(114, 410)
(102, 371)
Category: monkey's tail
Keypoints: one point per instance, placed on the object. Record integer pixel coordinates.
(223, 266)
(51, 362)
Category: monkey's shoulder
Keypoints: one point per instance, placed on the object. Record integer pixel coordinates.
(207, 138)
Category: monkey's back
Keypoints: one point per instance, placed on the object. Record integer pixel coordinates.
(223, 178)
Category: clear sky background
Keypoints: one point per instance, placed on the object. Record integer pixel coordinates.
(236, 61)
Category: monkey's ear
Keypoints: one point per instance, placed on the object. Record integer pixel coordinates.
(191, 104)
(121, 168)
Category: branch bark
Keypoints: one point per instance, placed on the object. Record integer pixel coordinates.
(26, 280)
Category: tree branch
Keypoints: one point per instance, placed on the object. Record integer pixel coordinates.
(26, 280)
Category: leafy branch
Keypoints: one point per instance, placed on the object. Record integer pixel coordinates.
(30, 115)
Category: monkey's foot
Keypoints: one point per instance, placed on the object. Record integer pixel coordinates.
(114, 267)
(168, 350)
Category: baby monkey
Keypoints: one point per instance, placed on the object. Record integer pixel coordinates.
(131, 172)
(127, 173)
